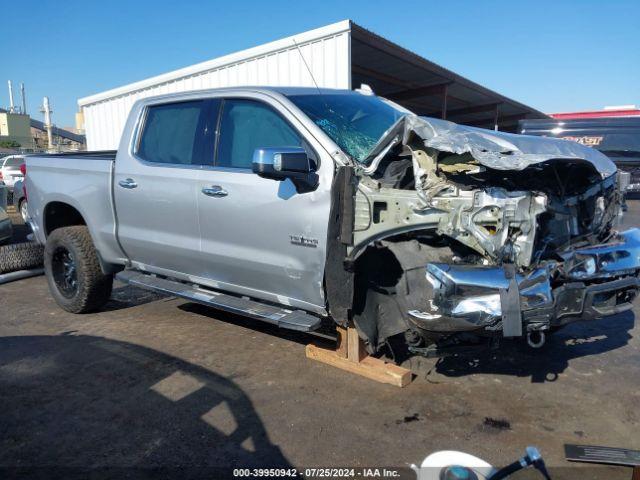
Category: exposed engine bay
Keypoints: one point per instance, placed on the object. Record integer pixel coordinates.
(461, 232)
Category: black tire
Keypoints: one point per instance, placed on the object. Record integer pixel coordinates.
(73, 271)
(20, 256)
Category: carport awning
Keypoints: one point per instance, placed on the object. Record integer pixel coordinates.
(429, 89)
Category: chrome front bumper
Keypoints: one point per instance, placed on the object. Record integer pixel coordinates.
(589, 283)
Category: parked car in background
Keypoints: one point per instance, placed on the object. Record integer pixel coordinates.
(10, 171)
(616, 137)
(20, 200)
(16, 253)
(298, 206)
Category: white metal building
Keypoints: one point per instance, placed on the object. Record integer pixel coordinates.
(340, 55)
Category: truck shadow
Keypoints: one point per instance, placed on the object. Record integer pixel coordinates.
(90, 406)
(126, 296)
(580, 339)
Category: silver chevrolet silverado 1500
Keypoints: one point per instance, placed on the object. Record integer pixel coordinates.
(304, 207)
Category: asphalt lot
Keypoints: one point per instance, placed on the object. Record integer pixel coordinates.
(159, 382)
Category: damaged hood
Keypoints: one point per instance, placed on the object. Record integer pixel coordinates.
(492, 149)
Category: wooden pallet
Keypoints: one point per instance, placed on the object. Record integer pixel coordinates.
(350, 355)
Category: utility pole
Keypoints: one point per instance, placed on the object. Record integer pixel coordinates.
(11, 106)
(24, 99)
(47, 121)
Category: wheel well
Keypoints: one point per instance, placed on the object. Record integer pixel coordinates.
(376, 312)
(376, 267)
(59, 214)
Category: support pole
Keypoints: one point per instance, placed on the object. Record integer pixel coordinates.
(46, 109)
(24, 99)
(445, 93)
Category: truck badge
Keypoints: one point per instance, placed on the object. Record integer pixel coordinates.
(304, 241)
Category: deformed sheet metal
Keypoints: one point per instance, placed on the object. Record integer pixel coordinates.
(493, 149)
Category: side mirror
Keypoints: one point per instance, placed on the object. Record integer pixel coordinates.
(280, 163)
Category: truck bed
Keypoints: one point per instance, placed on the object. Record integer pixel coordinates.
(82, 180)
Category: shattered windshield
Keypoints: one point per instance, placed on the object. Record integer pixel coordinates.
(352, 120)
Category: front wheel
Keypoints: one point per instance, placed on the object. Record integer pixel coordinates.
(73, 271)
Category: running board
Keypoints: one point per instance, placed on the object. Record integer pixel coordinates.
(282, 317)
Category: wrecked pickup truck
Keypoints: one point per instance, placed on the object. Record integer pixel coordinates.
(307, 207)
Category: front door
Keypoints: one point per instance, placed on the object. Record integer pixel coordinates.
(259, 236)
(156, 188)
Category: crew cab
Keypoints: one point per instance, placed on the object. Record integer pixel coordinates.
(308, 207)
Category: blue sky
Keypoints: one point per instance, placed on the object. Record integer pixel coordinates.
(552, 55)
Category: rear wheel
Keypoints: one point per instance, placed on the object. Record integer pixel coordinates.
(73, 271)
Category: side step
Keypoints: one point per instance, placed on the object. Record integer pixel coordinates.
(283, 318)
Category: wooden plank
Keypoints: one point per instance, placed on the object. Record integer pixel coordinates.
(369, 367)
(342, 347)
(636, 473)
(356, 351)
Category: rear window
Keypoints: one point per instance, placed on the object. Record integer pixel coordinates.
(14, 162)
(170, 133)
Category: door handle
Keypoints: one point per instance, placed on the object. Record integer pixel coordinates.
(128, 183)
(215, 191)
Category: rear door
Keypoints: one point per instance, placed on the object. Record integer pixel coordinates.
(156, 188)
(259, 236)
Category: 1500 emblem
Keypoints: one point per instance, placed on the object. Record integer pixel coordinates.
(304, 241)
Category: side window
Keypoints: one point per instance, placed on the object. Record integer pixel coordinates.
(247, 125)
(170, 133)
